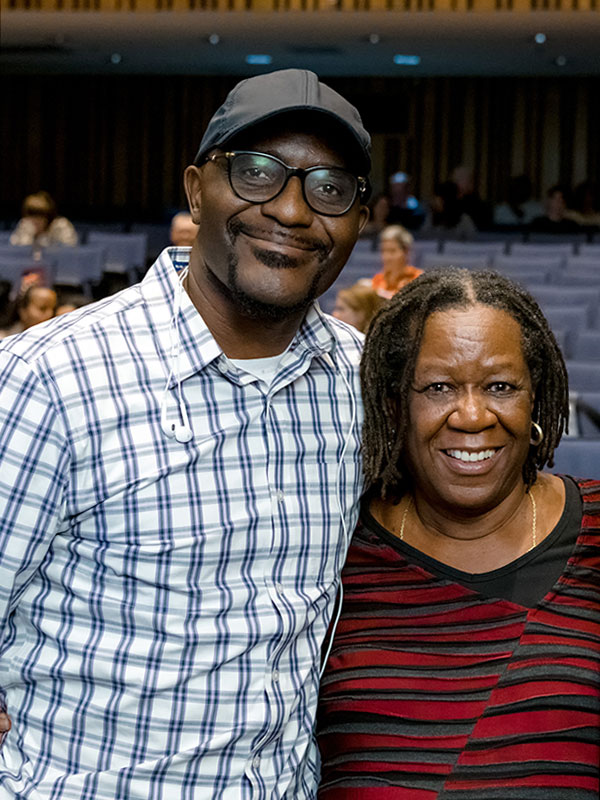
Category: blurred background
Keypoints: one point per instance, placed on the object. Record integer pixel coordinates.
(486, 145)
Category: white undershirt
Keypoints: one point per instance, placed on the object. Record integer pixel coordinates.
(263, 369)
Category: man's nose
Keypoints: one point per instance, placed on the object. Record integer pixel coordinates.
(289, 207)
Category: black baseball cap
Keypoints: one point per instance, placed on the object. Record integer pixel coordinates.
(265, 96)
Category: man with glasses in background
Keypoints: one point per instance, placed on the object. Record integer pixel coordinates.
(180, 477)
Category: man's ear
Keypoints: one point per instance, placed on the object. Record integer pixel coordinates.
(192, 181)
(363, 218)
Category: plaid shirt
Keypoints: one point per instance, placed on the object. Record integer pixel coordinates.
(163, 605)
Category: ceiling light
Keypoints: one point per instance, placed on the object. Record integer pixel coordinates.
(214, 38)
(560, 61)
(116, 58)
(407, 61)
(259, 58)
(540, 38)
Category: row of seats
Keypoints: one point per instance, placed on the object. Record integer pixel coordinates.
(82, 265)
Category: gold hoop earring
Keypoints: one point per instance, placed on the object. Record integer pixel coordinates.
(537, 434)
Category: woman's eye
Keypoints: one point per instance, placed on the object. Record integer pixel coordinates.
(500, 387)
(438, 388)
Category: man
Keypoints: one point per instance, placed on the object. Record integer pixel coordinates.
(180, 477)
(183, 230)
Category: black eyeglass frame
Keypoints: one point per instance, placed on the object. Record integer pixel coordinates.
(361, 183)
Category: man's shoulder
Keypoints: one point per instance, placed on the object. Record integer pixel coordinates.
(93, 321)
(349, 340)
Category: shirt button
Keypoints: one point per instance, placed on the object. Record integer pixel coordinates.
(279, 588)
(280, 496)
(275, 675)
(256, 762)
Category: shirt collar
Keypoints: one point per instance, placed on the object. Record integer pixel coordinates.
(198, 348)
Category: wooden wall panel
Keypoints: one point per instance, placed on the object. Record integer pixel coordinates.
(117, 147)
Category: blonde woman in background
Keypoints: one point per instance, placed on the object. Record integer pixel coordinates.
(40, 224)
(395, 243)
(357, 305)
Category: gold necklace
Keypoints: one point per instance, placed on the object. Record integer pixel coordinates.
(533, 519)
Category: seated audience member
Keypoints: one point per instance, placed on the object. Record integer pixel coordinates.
(467, 197)
(357, 305)
(586, 205)
(465, 658)
(70, 302)
(446, 218)
(5, 304)
(183, 230)
(36, 304)
(555, 219)
(397, 207)
(394, 246)
(40, 224)
(519, 208)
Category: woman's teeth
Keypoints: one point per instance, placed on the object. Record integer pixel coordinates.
(463, 455)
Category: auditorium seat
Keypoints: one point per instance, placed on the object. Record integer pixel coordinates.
(157, 236)
(485, 249)
(588, 263)
(125, 252)
(579, 278)
(587, 346)
(584, 376)
(589, 251)
(552, 250)
(577, 457)
(433, 260)
(12, 270)
(515, 265)
(570, 319)
(569, 296)
(77, 266)
(587, 406)
(13, 252)
(420, 247)
(572, 240)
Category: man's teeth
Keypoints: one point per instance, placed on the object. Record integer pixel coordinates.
(463, 455)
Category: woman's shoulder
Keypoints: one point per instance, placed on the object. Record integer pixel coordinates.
(589, 489)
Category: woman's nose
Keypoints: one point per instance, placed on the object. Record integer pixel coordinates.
(472, 411)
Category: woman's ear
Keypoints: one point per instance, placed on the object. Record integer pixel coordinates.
(192, 182)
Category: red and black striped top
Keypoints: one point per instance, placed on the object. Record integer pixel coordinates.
(434, 692)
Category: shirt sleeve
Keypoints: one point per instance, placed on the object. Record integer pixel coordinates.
(61, 231)
(33, 472)
(23, 234)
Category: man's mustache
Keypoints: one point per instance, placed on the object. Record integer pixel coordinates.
(278, 236)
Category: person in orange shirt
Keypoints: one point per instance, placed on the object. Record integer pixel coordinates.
(395, 243)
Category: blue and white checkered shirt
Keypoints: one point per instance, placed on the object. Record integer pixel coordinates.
(163, 605)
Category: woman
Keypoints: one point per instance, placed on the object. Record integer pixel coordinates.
(357, 305)
(395, 243)
(40, 224)
(465, 661)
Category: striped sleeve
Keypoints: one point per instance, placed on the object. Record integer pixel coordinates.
(33, 469)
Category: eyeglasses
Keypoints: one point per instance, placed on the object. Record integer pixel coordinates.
(258, 178)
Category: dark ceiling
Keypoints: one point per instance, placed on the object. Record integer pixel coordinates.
(331, 43)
